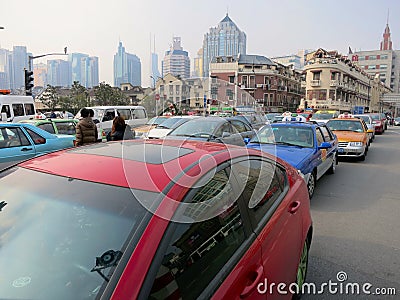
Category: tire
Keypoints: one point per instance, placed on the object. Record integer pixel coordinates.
(312, 181)
(332, 168)
(302, 269)
(362, 157)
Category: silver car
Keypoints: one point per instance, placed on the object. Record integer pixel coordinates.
(368, 120)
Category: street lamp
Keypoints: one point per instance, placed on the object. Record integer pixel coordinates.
(43, 55)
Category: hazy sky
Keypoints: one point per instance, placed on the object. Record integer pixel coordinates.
(273, 28)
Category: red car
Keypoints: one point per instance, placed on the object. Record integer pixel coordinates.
(153, 219)
(378, 122)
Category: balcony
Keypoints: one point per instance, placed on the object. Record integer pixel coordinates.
(334, 83)
(315, 83)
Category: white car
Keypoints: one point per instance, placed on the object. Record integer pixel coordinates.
(162, 130)
(370, 124)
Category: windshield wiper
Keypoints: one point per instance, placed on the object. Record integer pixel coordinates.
(108, 259)
(289, 144)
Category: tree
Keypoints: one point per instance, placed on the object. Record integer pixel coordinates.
(50, 97)
(79, 97)
(107, 95)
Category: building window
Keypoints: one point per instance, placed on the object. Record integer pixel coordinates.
(384, 56)
(382, 67)
(371, 67)
(316, 75)
(372, 57)
(231, 79)
(244, 81)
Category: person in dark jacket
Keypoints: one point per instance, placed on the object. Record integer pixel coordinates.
(120, 130)
(86, 130)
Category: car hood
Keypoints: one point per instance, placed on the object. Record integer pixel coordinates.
(293, 155)
(159, 132)
(349, 136)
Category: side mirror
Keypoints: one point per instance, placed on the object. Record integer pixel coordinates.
(324, 145)
(225, 134)
(246, 140)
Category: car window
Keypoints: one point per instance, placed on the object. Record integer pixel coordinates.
(12, 137)
(29, 109)
(6, 109)
(18, 109)
(262, 184)
(240, 126)
(326, 134)
(320, 136)
(37, 139)
(197, 251)
(47, 127)
(109, 115)
(66, 127)
(226, 127)
(138, 113)
(125, 113)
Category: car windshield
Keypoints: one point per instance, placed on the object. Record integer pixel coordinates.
(365, 118)
(375, 117)
(54, 230)
(345, 125)
(196, 128)
(285, 135)
(323, 116)
(169, 123)
(156, 120)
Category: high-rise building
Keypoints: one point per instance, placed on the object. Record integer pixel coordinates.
(383, 63)
(75, 59)
(155, 73)
(198, 64)
(127, 68)
(176, 61)
(288, 60)
(89, 71)
(58, 73)
(40, 74)
(224, 40)
(19, 63)
(4, 69)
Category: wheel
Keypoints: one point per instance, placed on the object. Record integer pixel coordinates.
(362, 157)
(311, 184)
(332, 168)
(302, 270)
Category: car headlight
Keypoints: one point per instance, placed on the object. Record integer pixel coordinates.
(355, 144)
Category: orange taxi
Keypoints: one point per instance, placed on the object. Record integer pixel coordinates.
(352, 134)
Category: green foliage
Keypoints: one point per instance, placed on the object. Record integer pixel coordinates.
(79, 97)
(50, 97)
(107, 95)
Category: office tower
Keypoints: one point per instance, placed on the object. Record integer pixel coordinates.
(155, 73)
(127, 68)
(89, 71)
(198, 64)
(75, 59)
(4, 69)
(58, 73)
(224, 40)
(19, 63)
(40, 74)
(176, 61)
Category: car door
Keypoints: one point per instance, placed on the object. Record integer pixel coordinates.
(213, 256)
(326, 156)
(275, 212)
(14, 146)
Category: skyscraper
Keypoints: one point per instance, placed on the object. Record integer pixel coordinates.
(58, 73)
(127, 68)
(19, 63)
(155, 73)
(75, 60)
(89, 71)
(176, 61)
(4, 69)
(224, 40)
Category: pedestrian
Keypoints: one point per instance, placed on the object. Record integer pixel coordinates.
(86, 130)
(53, 115)
(120, 130)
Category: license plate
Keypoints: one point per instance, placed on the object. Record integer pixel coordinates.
(340, 150)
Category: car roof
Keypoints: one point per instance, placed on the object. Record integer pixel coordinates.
(157, 161)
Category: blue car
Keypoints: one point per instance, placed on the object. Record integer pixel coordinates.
(19, 141)
(309, 147)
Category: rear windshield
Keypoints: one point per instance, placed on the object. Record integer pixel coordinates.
(52, 230)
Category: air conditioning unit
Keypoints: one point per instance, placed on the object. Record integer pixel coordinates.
(259, 85)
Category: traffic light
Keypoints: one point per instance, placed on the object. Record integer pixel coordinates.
(28, 82)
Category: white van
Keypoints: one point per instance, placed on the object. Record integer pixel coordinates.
(103, 116)
(15, 108)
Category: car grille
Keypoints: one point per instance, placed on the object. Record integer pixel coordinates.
(343, 144)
